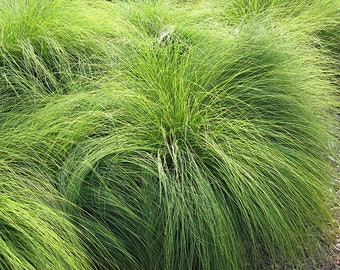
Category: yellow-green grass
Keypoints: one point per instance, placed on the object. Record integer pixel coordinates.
(163, 135)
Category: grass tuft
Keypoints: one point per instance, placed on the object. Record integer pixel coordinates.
(165, 135)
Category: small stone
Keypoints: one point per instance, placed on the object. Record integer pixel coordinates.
(337, 246)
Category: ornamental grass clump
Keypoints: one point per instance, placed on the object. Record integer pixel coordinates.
(193, 144)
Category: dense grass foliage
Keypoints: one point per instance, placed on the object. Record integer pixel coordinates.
(166, 135)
